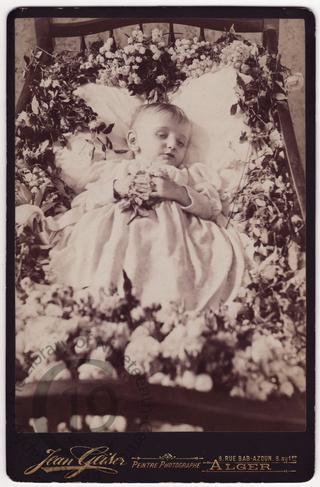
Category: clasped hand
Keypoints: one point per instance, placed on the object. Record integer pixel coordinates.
(162, 188)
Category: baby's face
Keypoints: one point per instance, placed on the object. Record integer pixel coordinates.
(160, 138)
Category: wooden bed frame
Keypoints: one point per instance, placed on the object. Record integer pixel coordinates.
(213, 411)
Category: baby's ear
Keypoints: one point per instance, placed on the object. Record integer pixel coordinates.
(132, 141)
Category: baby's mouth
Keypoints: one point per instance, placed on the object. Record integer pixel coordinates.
(168, 155)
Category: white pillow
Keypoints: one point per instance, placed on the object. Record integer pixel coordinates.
(205, 100)
(113, 105)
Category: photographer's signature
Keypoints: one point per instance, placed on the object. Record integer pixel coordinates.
(79, 459)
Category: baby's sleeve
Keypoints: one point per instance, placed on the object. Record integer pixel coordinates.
(204, 196)
(101, 192)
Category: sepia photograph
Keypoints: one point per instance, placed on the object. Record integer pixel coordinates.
(160, 222)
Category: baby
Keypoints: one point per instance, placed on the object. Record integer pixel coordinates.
(159, 136)
(179, 251)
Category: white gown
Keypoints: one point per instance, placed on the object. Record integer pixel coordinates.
(174, 254)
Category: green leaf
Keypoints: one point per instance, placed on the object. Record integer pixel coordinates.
(108, 129)
(233, 109)
(243, 136)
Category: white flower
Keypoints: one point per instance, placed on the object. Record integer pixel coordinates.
(156, 56)
(167, 381)
(139, 332)
(160, 79)
(267, 185)
(195, 326)
(240, 362)
(298, 377)
(259, 388)
(294, 82)
(156, 378)
(119, 423)
(203, 383)
(188, 379)
(26, 214)
(137, 79)
(90, 371)
(76, 422)
(137, 313)
(45, 83)
(142, 352)
(63, 374)
(94, 422)
(264, 348)
(171, 343)
(23, 117)
(275, 138)
(286, 388)
(100, 353)
(26, 283)
(93, 124)
(100, 59)
(142, 50)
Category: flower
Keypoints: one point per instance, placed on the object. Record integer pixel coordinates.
(203, 383)
(142, 352)
(294, 82)
(160, 79)
(26, 214)
(275, 138)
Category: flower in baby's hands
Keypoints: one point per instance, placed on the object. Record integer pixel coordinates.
(139, 199)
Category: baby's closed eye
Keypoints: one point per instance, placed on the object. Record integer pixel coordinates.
(162, 134)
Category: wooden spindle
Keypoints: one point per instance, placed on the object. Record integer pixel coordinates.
(83, 46)
(172, 39)
(44, 39)
(114, 45)
(271, 35)
(202, 36)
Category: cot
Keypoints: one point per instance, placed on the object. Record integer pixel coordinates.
(214, 411)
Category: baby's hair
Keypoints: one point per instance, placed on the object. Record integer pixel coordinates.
(176, 112)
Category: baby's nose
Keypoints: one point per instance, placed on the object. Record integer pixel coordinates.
(171, 142)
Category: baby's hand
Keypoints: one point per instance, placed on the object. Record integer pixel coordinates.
(169, 190)
(163, 188)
